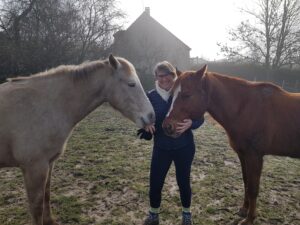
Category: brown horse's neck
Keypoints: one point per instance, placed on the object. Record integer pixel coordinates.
(225, 98)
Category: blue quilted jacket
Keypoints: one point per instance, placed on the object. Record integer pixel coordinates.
(161, 140)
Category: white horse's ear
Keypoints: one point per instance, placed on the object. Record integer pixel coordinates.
(113, 62)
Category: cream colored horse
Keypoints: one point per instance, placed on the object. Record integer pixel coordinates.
(39, 112)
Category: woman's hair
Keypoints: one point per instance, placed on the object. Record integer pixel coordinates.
(165, 67)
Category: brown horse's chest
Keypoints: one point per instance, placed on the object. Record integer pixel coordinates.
(243, 143)
(6, 156)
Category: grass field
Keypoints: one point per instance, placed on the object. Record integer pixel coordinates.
(102, 178)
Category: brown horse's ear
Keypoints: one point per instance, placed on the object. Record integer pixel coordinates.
(202, 71)
(178, 72)
(113, 62)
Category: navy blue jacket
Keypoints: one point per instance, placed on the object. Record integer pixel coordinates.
(162, 141)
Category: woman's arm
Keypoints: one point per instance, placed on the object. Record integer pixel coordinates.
(197, 123)
(188, 124)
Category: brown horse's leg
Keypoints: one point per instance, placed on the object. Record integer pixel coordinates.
(253, 163)
(35, 177)
(244, 209)
(47, 218)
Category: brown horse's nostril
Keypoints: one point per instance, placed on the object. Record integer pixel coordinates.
(168, 128)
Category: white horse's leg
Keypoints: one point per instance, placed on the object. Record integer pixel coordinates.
(35, 177)
(47, 218)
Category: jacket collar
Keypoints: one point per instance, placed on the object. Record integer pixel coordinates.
(163, 93)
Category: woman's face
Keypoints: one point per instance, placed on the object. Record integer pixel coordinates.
(165, 81)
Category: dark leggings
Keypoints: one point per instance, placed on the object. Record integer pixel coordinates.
(160, 164)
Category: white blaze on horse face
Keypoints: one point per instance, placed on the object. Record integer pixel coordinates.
(176, 92)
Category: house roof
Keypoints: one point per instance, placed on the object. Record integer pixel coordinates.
(146, 15)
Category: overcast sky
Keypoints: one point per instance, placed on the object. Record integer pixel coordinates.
(198, 23)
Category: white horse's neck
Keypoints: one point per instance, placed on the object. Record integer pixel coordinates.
(75, 96)
(88, 94)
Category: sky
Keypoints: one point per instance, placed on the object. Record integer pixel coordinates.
(200, 24)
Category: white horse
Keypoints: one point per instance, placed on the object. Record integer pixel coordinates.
(38, 113)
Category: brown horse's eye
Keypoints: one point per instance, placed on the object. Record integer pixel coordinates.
(185, 95)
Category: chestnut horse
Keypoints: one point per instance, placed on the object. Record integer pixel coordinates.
(38, 113)
(259, 118)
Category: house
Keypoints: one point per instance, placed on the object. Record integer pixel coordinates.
(147, 42)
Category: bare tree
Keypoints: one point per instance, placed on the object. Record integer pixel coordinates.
(96, 24)
(11, 16)
(271, 38)
(38, 34)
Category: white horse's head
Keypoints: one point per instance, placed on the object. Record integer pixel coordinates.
(126, 93)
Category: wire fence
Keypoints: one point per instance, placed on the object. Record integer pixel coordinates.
(287, 85)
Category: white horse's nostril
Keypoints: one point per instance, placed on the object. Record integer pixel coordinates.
(144, 122)
(151, 117)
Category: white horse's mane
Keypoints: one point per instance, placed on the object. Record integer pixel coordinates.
(77, 71)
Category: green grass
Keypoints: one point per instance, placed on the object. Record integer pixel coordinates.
(102, 178)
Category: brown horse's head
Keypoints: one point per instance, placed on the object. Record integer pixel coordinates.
(189, 100)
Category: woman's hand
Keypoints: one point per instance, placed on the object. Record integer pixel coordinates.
(150, 128)
(183, 126)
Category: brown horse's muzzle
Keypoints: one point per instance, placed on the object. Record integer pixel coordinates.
(169, 127)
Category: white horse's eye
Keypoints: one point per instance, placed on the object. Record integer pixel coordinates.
(131, 84)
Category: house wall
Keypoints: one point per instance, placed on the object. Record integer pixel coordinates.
(146, 42)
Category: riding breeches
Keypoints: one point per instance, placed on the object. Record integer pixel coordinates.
(160, 164)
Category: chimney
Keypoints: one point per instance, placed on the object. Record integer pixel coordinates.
(147, 10)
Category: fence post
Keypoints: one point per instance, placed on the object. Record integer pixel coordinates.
(282, 85)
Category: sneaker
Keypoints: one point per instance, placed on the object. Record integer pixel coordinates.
(186, 218)
(152, 219)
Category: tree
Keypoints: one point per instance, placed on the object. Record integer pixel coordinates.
(271, 38)
(40, 34)
(96, 25)
(12, 14)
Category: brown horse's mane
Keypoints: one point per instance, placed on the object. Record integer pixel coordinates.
(77, 72)
(245, 83)
(266, 87)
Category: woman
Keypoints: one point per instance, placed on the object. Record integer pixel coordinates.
(166, 149)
